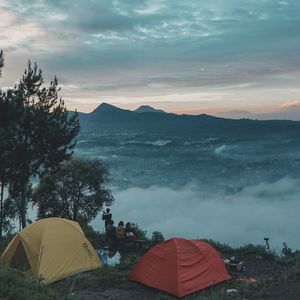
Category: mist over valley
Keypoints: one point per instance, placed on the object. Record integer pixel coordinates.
(236, 185)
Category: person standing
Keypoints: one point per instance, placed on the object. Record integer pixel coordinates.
(106, 217)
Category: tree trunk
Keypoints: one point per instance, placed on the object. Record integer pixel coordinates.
(1, 210)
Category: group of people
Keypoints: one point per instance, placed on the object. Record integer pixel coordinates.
(121, 233)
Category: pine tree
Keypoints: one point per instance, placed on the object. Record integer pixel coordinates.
(41, 135)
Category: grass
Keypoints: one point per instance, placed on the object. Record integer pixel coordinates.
(14, 286)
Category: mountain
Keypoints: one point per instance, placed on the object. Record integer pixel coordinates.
(148, 109)
(290, 113)
(110, 118)
(236, 114)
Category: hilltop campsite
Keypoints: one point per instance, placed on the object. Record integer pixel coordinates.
(253, 273)
(61, 256)
(149, 150)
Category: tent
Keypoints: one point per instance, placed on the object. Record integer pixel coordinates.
(180, 267)
(51, 248)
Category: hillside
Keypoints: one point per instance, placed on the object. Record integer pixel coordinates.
(107, 117)
(277, 278)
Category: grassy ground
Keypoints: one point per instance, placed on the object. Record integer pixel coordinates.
(277, 279)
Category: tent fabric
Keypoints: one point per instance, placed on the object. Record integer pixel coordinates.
(180, 267)
(55, 248)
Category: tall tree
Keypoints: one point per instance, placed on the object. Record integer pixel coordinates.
(42, 133)
(74, 191)
(1, 181)
(1, 61)
(5, 120)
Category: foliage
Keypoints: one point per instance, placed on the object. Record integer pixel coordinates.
(5, 241)
(219, 246)
(257, 250)
(156, 238)
(1, 61)
(75, 191)
(36, 133)
(141, 234)
(98, 239)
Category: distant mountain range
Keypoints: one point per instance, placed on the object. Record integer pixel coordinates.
(290, 113)
(146, 119)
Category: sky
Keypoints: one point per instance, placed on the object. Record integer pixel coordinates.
(182, 56)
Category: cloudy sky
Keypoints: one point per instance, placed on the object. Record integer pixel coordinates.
(184, 56)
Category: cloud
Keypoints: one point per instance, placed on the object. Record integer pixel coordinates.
(154, 44)
(264, 210)
(290, 104)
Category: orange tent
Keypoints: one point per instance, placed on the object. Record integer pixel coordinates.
(180, 267)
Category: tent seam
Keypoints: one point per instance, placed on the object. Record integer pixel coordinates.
(177, 263)
(21, 240)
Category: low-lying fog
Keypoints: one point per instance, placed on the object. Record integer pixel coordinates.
(233, 190)
(263, 210)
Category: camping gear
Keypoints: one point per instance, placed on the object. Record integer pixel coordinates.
(180, 267)
(249, 280)
(267, 243)
(234, 265)
(51, 248)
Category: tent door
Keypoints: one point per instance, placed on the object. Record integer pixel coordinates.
(19, 260)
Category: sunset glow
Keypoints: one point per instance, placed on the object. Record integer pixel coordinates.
(184, 57)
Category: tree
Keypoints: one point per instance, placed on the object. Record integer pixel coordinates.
(6, 119)
(2, 168)
(36, 130)
(76, 191)
(1, 61)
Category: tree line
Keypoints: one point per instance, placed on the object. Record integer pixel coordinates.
(37, 138)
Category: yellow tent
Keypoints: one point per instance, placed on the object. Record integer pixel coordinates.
(51, 248)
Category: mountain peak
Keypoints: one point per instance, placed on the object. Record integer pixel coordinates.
(105, 107)
(148, 109)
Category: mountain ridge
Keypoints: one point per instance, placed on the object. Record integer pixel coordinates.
(107, 117)
(148, 109)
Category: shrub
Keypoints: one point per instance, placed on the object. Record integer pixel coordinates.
(157, 237)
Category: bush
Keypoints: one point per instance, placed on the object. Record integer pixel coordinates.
(98, 239)
(141, 234)
(257, 250)
(157, 237)
(219, 246)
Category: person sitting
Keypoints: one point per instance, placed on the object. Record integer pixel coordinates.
(130, 232)
(120, 232)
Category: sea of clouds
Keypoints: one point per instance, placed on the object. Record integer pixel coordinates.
(264, 210)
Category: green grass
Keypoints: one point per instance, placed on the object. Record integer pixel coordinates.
(14, 286)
